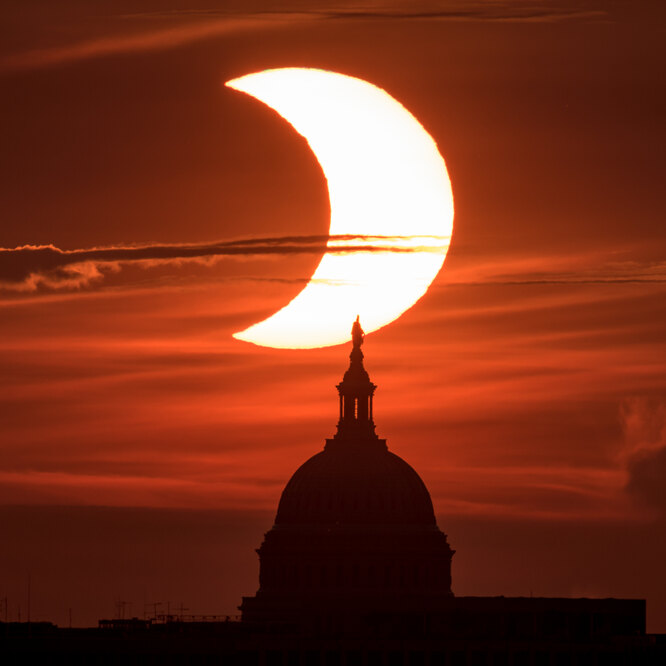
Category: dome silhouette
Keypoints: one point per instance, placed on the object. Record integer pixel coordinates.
(353, 484)
(355, 526)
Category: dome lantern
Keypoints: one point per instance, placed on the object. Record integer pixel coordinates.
(356, 392)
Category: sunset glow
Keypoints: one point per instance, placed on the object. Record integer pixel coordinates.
(385, 178)
(154, 217)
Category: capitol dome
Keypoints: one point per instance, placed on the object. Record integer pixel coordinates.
(353, 483)
(355, 527)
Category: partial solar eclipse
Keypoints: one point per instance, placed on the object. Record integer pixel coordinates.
(385, 178)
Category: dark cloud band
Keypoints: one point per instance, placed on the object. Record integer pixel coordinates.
(27, 267)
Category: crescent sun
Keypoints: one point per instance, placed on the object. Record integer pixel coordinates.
(386, 179)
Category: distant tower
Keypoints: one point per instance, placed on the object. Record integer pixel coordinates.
(355, 529)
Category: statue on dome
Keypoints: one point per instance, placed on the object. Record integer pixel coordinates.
(357, 334)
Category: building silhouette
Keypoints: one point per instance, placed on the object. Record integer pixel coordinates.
(356, 572)
(355, 528)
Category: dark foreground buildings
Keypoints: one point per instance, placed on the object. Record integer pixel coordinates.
(355, 572)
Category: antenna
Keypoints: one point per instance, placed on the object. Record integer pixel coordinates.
(180, 610)
(154, 606)
(120, 608)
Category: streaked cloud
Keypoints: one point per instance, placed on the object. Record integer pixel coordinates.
(28, 267)
(199, 25)
(154, 39)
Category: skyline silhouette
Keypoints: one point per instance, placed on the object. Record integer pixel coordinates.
(355, 571)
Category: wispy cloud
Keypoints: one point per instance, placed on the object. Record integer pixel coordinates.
(199, 25)
(453, 10)
(601, 267)
(28, 267)
(515, 13)
(644, 424)
(633, 274)
(155, 39)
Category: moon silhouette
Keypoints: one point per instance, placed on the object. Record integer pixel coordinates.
(386, 179)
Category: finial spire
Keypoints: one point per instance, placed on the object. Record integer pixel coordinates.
(357, 333)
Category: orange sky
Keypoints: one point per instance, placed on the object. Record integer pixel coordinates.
(144, 450)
